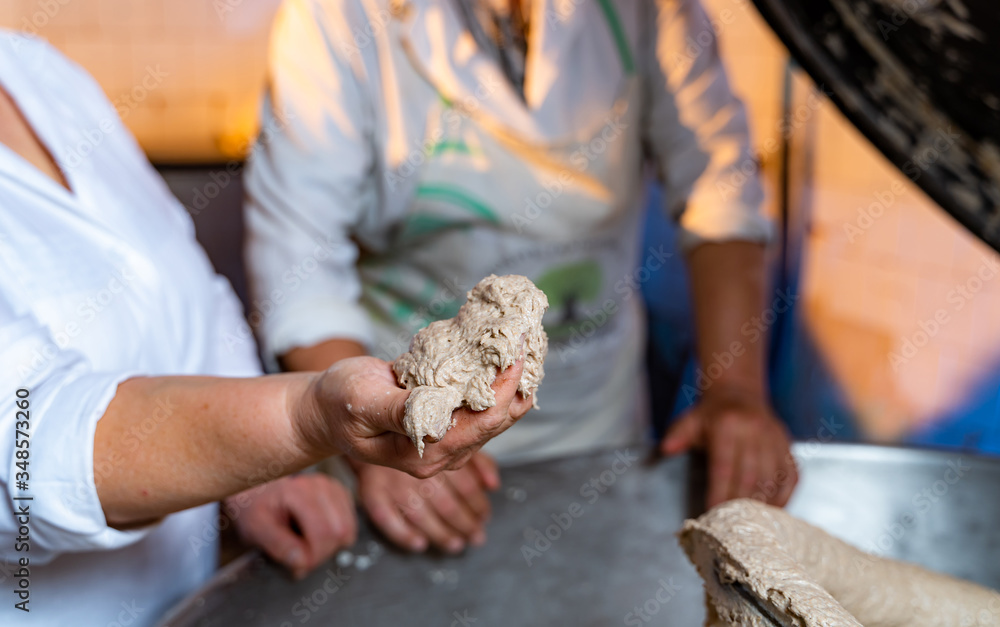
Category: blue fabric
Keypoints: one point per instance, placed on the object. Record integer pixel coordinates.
(973, 426)
(803, 391)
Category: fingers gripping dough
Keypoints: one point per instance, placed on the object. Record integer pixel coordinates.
(452, 363)
(757, 560)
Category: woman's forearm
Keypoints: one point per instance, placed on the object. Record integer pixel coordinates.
(170, 443)
(321, 356)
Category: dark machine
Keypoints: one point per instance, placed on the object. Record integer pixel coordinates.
(919, 78)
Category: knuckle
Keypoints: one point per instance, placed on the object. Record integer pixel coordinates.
(424, 471)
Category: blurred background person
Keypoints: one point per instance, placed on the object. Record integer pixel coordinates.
(459, 139)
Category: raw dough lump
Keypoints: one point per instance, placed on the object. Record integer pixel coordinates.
(763, 567)
(452, 363)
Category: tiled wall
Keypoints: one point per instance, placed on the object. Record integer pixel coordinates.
(864, 296)
(187, 72)
(901, 300)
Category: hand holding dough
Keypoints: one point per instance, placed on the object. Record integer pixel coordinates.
(452, 363)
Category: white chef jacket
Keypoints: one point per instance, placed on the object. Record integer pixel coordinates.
(96, 286)
(352, 128)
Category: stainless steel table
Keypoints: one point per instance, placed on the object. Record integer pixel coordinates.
(590, 541)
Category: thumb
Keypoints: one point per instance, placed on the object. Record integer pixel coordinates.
(685, 433)
(394, 410)
(506, 382)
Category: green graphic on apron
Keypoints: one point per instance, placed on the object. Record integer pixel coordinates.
(568, 289)
(452, 145)
(391, 300)
(420, 225)
(423, 224)
(618, 32)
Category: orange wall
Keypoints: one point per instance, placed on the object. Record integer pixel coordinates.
(883, 265)
(186, 74)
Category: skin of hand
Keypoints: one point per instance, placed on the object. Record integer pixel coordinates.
(448, 511)
(374, 432)
(298, 521)
(748, 447)
(215, 434)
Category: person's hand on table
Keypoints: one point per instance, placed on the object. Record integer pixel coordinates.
(748, 448)
(356, 408)
(448, 511)
(298, 521)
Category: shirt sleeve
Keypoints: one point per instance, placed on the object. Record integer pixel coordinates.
(309, 181)
(697, 132)
(65, 399)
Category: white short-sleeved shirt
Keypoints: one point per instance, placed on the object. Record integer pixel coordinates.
(97, 285)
